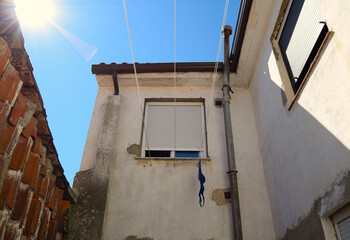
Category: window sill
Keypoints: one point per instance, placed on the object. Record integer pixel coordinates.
(171, 159)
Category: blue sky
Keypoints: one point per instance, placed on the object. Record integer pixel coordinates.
(60, 53)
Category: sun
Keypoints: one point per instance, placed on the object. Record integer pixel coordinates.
(34, 13)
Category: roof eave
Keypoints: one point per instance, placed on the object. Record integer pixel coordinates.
(241, 26)
(237, 43)
(155, 67)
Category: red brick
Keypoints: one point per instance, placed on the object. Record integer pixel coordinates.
(43, 189)
(29, 129)
(11, 232)
(35, 176)
(44, 224)
(27, 77)
(43, 127)
(7, 135)
(34, 222)
(57, 203)
(37, 146)
(64, 207)
(5, 54)
(9, 182)
(1, 163)
(11, 195)
(43, 169)
(3, 219)
(4, 107)
(51, 192)
(31, 165)
(20, 59)
(21, 202)
(17, 41)
(34, 133)
(38, 186)
(24, 237)
(51, 233)
(31, 93)
(20, 153)
(32, 217)
(9, 84)
(26, 209)
(23, 164)
(19, 109)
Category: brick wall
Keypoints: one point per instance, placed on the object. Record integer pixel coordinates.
(34, 193)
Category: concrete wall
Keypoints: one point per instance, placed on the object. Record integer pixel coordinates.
(305, 151)
(91, 182)
(159, 199)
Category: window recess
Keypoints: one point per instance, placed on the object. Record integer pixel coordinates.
(341, 222)
(174, 130)
(298, 38)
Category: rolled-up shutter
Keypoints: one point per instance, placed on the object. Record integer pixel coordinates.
(160, 127)
(344, 229)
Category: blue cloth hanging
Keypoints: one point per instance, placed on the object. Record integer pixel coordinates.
(201, 179)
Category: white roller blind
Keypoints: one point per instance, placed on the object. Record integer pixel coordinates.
(160, 127)
(344, 229)
(300, 33)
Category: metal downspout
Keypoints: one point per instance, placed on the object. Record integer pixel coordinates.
(232, 172)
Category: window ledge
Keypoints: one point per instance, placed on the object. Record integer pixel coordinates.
(171, 159)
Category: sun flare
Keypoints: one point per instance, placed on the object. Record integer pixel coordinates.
(34, 13)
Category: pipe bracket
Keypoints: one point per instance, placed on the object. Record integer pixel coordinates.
(232, 171)
(229, 87)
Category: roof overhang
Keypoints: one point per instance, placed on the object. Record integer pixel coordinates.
(238, 39)
(155, 67)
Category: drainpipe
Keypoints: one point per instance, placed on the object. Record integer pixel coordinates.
(232, 172)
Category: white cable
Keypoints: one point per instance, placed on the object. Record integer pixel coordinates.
(132, 55)
(217, 58)
(174, 78)
(216, 67)
(136, 79)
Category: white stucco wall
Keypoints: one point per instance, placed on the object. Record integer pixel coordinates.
(96, 124)
(305, 149)
(159, 199)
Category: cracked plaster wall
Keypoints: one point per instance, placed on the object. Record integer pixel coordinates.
(91, 185)
(159, 199)
(305, 150)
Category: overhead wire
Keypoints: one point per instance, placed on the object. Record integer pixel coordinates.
(135, 72)
(216, 66)
(217, 56)
(174, 78)
(174, 90)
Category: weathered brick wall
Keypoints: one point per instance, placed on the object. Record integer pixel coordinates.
(34, 193)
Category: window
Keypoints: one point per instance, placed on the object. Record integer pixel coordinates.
(341, 222)
(174, 130)
(298, 37)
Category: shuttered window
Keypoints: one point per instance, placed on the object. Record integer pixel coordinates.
(303, 32)
(176, 128)
(342, 223)
(344, 229)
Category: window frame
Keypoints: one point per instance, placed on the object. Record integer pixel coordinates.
(202, 153)
(338, 217)
(292, 89)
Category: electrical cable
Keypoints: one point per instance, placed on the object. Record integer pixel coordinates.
(216, 67)
(174, 78)
(135, 72)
